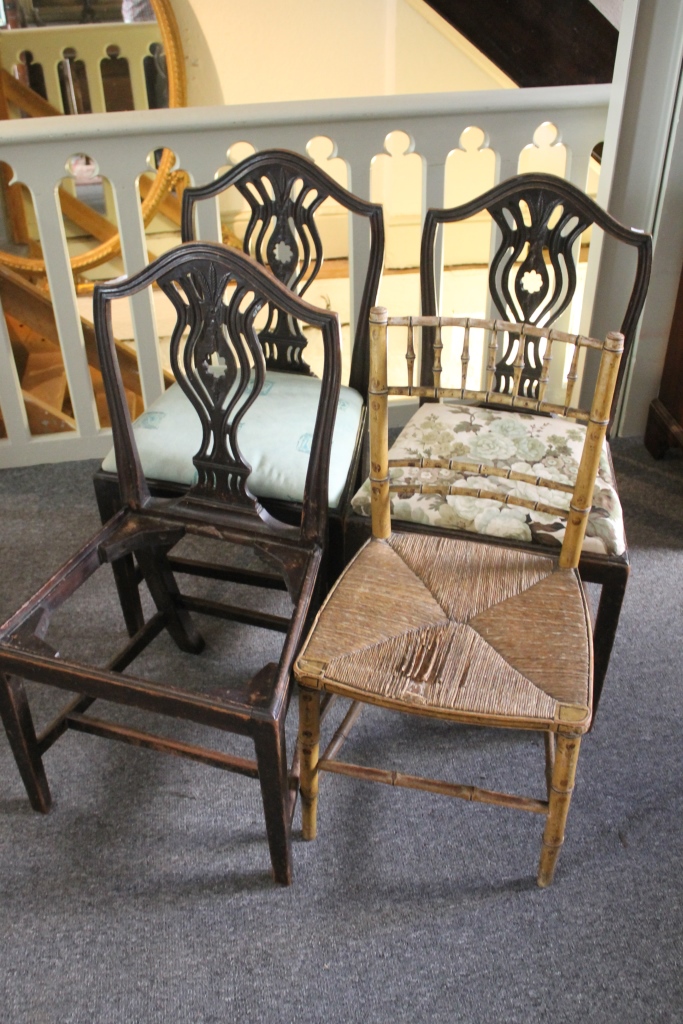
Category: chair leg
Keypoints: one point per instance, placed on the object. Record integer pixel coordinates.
(18, 722)
(271, 756)
(606, 624)
(125, 575)
(309, 747)
(562, 785)
(164, 591)
(125, 578)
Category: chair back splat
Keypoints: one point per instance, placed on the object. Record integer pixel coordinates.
(284, 192)
(533, 271)
(217, 294)
(218, 361)
(458, 629)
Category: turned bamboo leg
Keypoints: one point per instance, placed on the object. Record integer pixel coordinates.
(16, 716)
(562, 785)
(309, 746)
(549, 739)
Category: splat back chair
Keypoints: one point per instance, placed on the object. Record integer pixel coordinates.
(284, 192)
(456, 628)
(532, 278)
(219, 363)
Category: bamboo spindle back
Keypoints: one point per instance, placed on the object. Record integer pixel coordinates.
(596, 420)
(582, 498)
(379, 424)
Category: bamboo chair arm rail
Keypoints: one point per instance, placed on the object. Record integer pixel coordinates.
(483, 470)
(480, 492)
(490, 397)
(473, 323)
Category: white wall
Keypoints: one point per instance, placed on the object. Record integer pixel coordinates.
(264, 50)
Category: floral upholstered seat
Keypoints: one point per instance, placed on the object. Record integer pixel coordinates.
(536, 445)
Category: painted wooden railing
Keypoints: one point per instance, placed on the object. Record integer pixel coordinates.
(122, 146)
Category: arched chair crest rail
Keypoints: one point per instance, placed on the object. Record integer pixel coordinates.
(218, 295)
(532, 278)
(284, 192)
(455, 628)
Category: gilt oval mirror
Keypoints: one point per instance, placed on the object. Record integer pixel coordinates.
(59, 86)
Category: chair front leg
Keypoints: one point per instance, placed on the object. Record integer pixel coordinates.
(271, 756)
(559, 798)
(309, 747)
(18, 722)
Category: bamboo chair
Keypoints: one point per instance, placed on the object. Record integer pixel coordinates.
(284, 191)
(533, 272)
(460, 629)
(218, 361)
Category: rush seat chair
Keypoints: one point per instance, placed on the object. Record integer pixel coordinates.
(455, 628)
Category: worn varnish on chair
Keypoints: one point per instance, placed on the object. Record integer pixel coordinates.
(541, 221)
(458, 629)
(284, 192)
(218, 361)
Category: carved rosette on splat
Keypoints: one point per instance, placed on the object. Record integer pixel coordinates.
(221, 368)
(542, 288)
(282, 235)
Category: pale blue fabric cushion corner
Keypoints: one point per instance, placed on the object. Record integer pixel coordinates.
(275, 437)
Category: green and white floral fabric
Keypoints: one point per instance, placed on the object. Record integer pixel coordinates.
(274, 436)
(548, 447)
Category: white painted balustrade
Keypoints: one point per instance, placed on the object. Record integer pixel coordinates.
(122, 145)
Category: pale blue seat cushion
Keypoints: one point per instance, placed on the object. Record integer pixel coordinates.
(274, 436)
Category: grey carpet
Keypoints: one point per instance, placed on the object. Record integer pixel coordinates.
(145, 896)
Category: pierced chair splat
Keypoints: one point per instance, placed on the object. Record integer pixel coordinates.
(541, 221)
(218, 362)
(284, 192)
(460, 629)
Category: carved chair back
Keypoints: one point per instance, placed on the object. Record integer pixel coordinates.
(517, 337)
(533, 271)
(219, 362)
(284, 192)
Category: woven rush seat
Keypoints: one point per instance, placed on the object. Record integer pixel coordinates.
(548, 447)
(452, 645)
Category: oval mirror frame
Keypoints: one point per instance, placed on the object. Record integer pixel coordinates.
(177, 96)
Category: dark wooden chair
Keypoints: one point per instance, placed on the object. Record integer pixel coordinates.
(284, 192)
(532, 279)
(452, 627)
(219, 363)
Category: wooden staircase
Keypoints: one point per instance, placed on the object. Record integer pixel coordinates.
(35, 344)
(537, 43)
